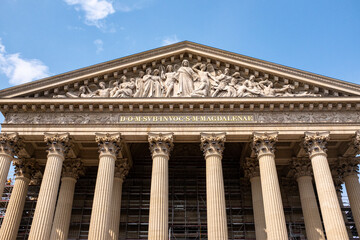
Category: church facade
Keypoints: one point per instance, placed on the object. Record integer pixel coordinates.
(181, 142)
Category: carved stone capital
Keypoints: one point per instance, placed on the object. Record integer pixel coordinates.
(251, 168)
(57, 143)
(25, 167)
(122, 168)
(315, 142)
(10, 144)
(300, 167)
(264, 143)
(109, 143)
(348, 166)
(212, 143)
(160, 143)
(73, 168)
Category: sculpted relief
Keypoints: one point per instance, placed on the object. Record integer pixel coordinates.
(184, 80)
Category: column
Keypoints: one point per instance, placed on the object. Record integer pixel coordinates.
(212, 144)
(71, 171)
(122, 167)
(252, 171)
(349, 170)
(24, 170)
(264, 148)
(301, 168)
(45, 207)
(315, 145)
(161, 145)
(9, 146)
(109, 146)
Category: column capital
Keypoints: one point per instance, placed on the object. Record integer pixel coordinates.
(26, 167)
(348, 166)
(10, 144)
(355, 141)
(251, 168)
(58, 144)
(264, 143)
(300, 167)
(161, 143)
(122, 168)
(314, 143)
(73, 168)
(212, 143)
(109, 143)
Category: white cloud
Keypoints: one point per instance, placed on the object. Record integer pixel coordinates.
(95, 10)
(99, 45)
(20, 70)
(170, 40)
(130, 5)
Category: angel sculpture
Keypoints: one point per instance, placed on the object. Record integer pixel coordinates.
(185, 76)
(169, 77)
(158, 84)
(149, 85)
(222, 81)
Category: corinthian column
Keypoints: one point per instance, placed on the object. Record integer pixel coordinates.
(121, 170)
(160, 147)
(24, 170)
(301, 167)
(212, 144)
(9, 146)
(71, 170)
(315, 145)
(349, 170)
(252, 171)
(109, 146)
(264, 147)
(45, 207)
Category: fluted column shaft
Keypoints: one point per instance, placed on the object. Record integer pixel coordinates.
(353, 190)
(159, 196)
(160, 147)
(215, 198)
(14, 210)
(5, 161)
(45, 207)
(60, 228)
(329, 204)
(273, 206)
(258, 208)
(99, 223)
(116, 209)
(314, 230)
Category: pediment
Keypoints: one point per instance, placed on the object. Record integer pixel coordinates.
(184, 69)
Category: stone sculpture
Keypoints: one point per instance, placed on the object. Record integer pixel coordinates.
(200, 80)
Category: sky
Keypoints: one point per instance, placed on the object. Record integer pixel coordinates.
(43, 38)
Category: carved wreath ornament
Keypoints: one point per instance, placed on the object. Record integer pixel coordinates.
(199, 80)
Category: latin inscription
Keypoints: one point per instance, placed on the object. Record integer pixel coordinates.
(187, 118)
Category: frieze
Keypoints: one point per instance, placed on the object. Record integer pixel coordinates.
(186, 118)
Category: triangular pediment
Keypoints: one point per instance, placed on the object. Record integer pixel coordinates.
(196, 71)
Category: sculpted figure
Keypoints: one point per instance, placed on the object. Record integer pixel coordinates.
(222, 81)
(252, 86)
(126, 88)
(103, 91)
(203, 89)
(205, 76)
(230, 89)
(139, 85)
(158, 83)
(149, 85)
(185, 76)
(170, 80)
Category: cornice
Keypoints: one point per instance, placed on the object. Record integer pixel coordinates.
(179, 105)
(167, 51)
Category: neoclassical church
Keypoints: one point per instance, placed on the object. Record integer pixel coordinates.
(181, 142)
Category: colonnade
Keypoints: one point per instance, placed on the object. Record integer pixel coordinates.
(53, 211)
